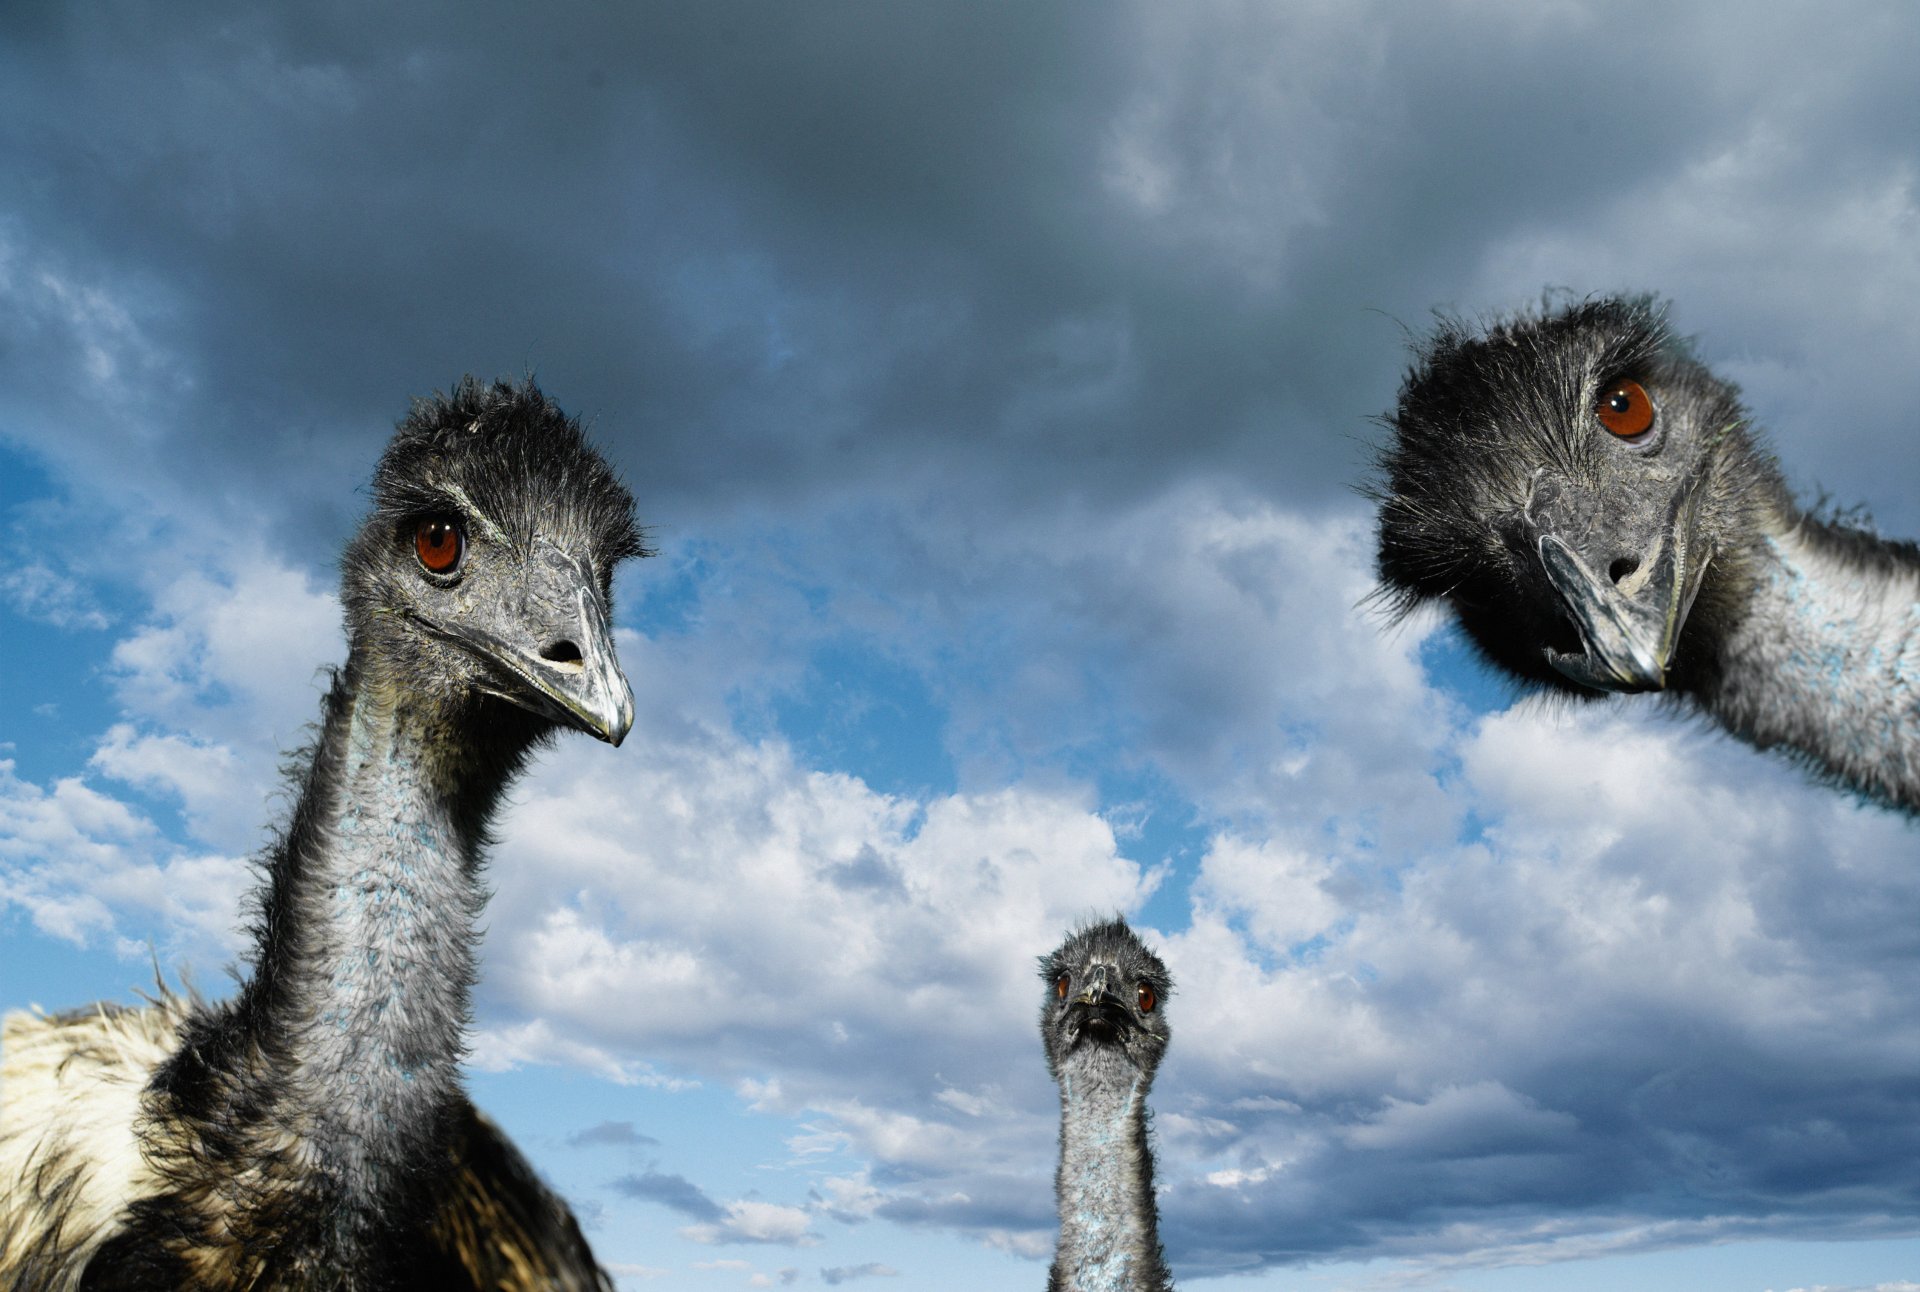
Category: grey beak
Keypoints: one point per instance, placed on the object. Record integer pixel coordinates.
(1094, 988)
(568, 660)
(574, 673)
(1630, 617)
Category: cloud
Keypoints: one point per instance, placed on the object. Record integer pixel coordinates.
(210, 680)
(618, 1134)
(671, 1191)
(839, 1274)
(201, 775)
(1572, 1015)
(745, 1220)
(37, 593)
(1477, 1120)
(749, 1221)
(234, 654)
(715, 896)
(1221, 215)
(497, 1048)
(79, 862)
(860, 961)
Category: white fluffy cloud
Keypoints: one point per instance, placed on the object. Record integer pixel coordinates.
(79, 862)
(37, 592)
(214, 682)
(756, 1222)
(722, 897)
(231, 655)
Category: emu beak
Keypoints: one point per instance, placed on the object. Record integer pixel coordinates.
(551, 651)
(1630, 618)
(1094, 988)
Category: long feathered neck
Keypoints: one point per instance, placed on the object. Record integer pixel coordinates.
(365, 976)
(1825, 659)
(328, 1084)
(1109, 1223)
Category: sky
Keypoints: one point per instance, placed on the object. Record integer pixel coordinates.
(997, 383)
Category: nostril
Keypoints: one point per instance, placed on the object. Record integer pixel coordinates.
(563, 653)
(1622, 568)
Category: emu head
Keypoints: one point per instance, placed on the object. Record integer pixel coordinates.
(1570, 484)
(1105, 1002)
(484, 572)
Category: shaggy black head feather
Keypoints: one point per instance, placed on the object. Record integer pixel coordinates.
(511, 450)
(1495, 441)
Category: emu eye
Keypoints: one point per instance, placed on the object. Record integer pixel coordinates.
(438, 542)
(1060, 986)
(1625, 409)
(1147, 999)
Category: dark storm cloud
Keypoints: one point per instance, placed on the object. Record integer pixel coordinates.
(774, 250)
(700, 226)
(1730, 1132)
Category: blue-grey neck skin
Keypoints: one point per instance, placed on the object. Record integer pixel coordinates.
(376, 994)
(1826, 661)
(1109, 1227)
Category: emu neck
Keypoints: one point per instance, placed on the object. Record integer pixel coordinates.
(1109, 1229)
(1827, 659)
(362, 986)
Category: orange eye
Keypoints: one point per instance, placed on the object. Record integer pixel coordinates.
(1147, 999)
(1625, 409)
(440, 544)
(1060, 985)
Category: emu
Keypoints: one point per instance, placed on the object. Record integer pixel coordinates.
(312, 1132)
(1104, 1027)
(1592, 505)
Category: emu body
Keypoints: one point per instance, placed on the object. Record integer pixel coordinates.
(312, 1132)
(1591, 504)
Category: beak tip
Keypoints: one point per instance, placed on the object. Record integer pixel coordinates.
(621, 718)
(1600, 671)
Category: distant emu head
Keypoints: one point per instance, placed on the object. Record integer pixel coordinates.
(1105, 1003)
